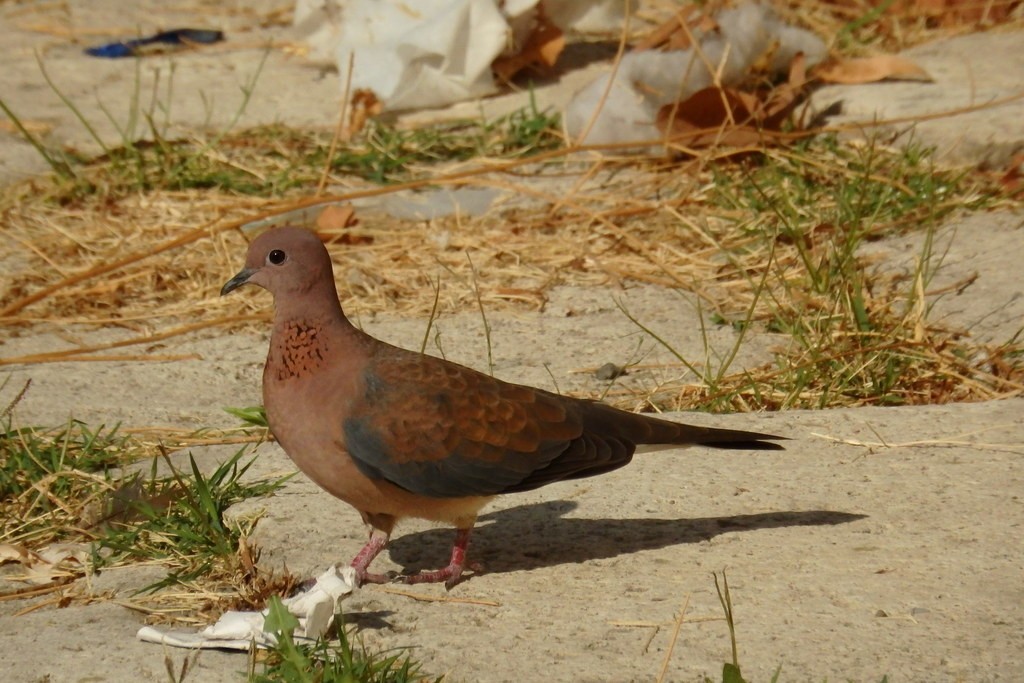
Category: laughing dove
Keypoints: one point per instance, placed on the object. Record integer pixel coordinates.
(395, 433)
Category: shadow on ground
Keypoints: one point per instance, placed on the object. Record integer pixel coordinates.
(539, 535)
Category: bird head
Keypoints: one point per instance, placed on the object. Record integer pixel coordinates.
(285, 261)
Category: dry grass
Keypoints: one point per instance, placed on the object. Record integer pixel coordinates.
(153, 263)
(862, 26)
(132, 253)
(74, 502)
(111, 267)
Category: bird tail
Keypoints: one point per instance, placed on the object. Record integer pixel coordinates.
(733, 439)
(745, 441)
(722, 438)
(645, 429)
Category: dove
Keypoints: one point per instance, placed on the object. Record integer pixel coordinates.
(399, 434)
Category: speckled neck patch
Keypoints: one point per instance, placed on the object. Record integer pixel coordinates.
(298, 349)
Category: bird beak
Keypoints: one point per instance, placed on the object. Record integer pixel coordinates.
(237, 281)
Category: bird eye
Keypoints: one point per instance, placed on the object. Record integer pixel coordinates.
(276, 257)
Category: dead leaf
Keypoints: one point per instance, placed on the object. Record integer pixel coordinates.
(870, 70)
(248, 556)
(1012, 181)
(798, 71)
(46, 565)
(781, 101)
(16, 553)
(363, 106)
(334, 222)
(724, 116)
(713, 108)
(335, 218)
(541, 49)
(712, 116)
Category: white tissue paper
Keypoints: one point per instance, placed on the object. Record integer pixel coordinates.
(411, 55)
(646, 81)
(315, 610)
(431, 53)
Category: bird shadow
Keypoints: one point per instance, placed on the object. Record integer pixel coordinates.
(539, 535)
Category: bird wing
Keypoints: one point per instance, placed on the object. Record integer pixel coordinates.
(442, 430)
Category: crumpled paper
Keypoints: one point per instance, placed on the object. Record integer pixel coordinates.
(431, 53)
(315, 610)
(626, 110)
(411, 55)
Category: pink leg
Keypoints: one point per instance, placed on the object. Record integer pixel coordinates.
(450, 574)
(364, 557)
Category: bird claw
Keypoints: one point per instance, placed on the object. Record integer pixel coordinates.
(365, 577)
(450, 575)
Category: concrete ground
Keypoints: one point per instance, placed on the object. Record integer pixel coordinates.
(880, 542)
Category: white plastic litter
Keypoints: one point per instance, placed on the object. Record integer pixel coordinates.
(315, 610)
(586, 16)
(646, 81)
(411, 55)
(431, 53)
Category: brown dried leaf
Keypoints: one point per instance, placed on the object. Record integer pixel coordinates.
(709, 117)
(333, 223)
(798, 71)
(335, 218)
(541, 49)
(714, 116)
(53, 561)
(870, 70)
(714, 107)
(781, 101)
(364, 105)
(1013, 180)
(16, 553)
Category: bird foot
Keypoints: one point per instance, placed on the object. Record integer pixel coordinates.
(362, 560)
(365, 577)
(450, 575)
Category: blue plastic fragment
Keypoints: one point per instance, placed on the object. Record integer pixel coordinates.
(110, 50)
(178, 36)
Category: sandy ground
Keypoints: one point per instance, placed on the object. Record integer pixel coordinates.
(880, 542)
